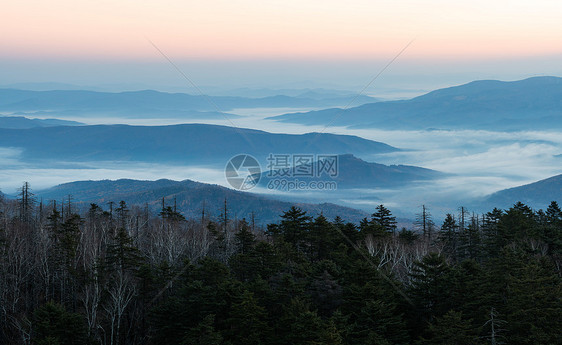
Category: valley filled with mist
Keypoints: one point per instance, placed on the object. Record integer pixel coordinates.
(469, 136)
(317, 172)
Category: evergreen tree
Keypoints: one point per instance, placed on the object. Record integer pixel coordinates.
(122, 254)
(325, 293)
(247, 322)
(469, 241)
(451, 329)
(407, 236)
(384, 218)
(372, 306)
(533, 307)
(245, 239)
(347, 232)
(122, 213)
(448, 235)
(429, 288)
(324, 238)
(369, 227)
(552, 231)
(309, 282)
(491, 240)
(261, 261)
(52, 324)
(516, 224)
(203, 334)
(171, 213)
(294, 226)
(299, 325)
(553, 213)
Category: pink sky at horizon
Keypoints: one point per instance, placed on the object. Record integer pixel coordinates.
(290, 29)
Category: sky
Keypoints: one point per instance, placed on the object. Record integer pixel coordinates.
(289, 43)
(404, 48)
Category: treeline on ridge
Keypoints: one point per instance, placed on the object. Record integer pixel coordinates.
(120, 275)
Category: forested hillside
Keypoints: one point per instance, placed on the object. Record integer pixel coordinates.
(188, 197)
(535, 193)
(117, 274)
(521, 105)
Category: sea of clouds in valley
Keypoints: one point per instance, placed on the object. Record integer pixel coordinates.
(479, 163)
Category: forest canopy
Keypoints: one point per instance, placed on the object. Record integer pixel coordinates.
(116, 274)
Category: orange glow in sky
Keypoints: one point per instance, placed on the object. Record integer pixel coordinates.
(240, 29)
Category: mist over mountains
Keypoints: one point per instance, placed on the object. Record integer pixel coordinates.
(354, 172)
(150, 103)
(534, 103)
(186, 144)
(20, 122)
(537, 194)
(495, 106)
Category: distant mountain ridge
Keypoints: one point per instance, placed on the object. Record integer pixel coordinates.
(537, 194)
(149, 103)
(353, 172)
(191, 197)
(533, 103)
(20, 122)
(180, 144)
(311, 93)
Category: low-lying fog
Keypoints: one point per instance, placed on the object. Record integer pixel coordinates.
(480, 163)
